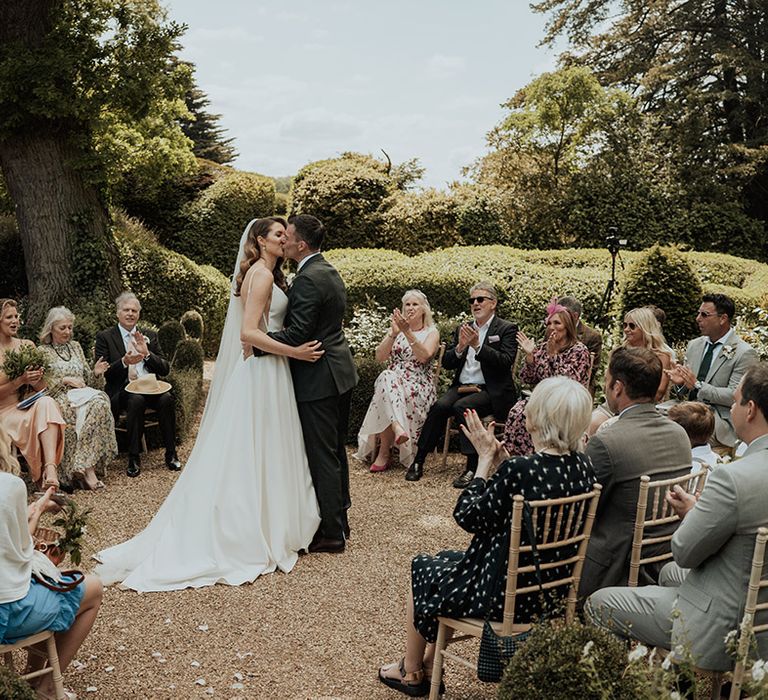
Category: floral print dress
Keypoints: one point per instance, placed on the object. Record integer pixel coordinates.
(404, 392)
(96, 445)
(468, 584)
(574, 362)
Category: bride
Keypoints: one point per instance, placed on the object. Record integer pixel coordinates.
(244, 504)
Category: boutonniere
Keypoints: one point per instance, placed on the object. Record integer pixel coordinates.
(728, 351)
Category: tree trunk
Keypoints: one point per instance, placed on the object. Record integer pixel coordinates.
(64, 224)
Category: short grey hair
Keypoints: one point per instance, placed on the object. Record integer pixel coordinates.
(124, 297)
(485, 287)
(558, 413)
(56, 314)
(571, 303)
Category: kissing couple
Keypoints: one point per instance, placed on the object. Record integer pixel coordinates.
(268, 474)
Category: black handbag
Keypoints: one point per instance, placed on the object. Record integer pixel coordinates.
(496, 650)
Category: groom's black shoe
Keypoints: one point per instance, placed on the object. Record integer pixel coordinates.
(415, 471)
(134, 465)
(325, 544)
(172, 462)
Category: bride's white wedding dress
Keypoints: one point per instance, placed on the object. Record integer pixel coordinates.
(244, 503)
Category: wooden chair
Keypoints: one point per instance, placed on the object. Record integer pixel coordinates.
(757, 582)
(439, 365)
(51, 654)
(557, 523)
(150, 421)
(653, 510)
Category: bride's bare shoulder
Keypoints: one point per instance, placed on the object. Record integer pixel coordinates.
(258, 278)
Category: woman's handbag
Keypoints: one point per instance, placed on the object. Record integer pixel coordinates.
(496, 650)
(75, 577)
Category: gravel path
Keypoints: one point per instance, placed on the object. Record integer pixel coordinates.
(319, 632)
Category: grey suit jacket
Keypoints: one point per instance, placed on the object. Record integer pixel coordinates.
(716, 540)
(724, 375)
(641, 441)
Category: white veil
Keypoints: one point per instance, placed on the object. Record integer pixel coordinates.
(230, 351)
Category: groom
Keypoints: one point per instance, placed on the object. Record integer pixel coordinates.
(317, 300)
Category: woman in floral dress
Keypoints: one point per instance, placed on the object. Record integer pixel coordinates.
(559, 354)
(405, 390)
(90, 443)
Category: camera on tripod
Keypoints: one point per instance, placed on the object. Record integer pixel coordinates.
(613, 242)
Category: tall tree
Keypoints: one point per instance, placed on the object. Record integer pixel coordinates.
(203, 128)
(82, 83)
(700, 67)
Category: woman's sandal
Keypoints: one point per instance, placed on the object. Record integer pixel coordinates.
(412, 684)
(47, 481)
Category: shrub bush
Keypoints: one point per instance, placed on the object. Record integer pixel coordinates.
(189, 356)
(12, 687)
(346, 194)
(419, 221)
(193, 324)
(367, 369)
(662, 276)
(188, 389)
(214, 222)
(168, 284)
(549, 664)
(169, 335)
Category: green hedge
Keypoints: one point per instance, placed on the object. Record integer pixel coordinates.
(367, 369)
(12, 687)
(214, 222)
(188, 390)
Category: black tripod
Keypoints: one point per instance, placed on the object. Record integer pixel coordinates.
(614, 245)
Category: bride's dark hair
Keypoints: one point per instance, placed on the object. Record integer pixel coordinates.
(260, 229)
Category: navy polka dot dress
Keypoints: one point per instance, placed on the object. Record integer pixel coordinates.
(460, 584)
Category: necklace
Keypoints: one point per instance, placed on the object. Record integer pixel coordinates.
(64, 356)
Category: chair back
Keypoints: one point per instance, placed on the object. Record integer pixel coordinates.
(439, 365)
(757, 582)
(653, 510)
(559, 523)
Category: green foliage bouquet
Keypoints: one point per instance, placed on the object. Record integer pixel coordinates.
(73, 522)
(18, 361)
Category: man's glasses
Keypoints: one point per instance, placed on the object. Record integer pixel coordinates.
(479, 300)
(707, 314)
(630, 324)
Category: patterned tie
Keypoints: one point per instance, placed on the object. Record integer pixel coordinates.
(706, 363)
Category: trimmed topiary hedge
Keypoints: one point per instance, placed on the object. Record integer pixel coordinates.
(188, 389)
(189, 356)
(193, 324)
(214, 222)
(169, 335)
(14, 688)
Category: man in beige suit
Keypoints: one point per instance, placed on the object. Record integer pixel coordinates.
(641, 441)
(715, 540)
(714, 364)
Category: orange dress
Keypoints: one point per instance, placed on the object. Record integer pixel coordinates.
(24, 427)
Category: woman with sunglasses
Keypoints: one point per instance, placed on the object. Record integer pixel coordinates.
(641, 330)
(559, 354)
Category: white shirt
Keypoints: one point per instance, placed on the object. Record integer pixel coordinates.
(304, 261)
(704, 455)
(722, 341)
(141, 370)
(471, 373)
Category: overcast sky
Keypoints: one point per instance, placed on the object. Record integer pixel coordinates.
(308, 79)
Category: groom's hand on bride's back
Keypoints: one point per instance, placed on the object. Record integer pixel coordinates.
(308, 352)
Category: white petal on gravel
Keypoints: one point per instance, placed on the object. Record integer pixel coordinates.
(109, 669)
(200, 681)
(156, 654)
(92, 657)
(122, 647)
(195, 664)
(167, 620)
(78, 665)
(239, 676)
(91, 689)
(244, 655)
(203, 628)
(237, 686)
(209, 691)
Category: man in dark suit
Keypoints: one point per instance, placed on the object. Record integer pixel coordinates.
(317, 300)
(482, 354)
(641, 441)
(589, 336)
(133, 353)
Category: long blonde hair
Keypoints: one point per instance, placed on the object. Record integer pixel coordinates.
(428, 321)
(8, 463)
(652, 334)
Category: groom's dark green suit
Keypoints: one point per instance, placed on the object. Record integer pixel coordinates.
(317, 301)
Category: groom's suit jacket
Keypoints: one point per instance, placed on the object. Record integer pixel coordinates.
(317, 301)
(718, 387)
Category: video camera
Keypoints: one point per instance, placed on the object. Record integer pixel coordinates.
(613, 242)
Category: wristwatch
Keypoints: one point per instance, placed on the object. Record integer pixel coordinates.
(697, 385)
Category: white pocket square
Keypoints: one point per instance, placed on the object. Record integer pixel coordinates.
(493, 339)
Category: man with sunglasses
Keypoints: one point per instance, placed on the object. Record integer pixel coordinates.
(482, 354)
(714, 365)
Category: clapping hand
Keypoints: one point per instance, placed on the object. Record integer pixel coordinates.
(399, 322)
(140, 341)
(527, 345)
(681, 375)
(483, 439)
(100, 367)
(468, 337)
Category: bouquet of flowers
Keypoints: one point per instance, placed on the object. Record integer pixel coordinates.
(73, 522)
(18, 361)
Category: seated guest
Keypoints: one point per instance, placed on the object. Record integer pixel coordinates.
(405, 390)
(90, 444)
(715, 541)
(463, 584)
(641, 330)
(38, 431)
(133, 353)
(640, 442)
(714, 365)
(589, 336)
(559, 354)
(26, 606)
(698, 421)
(481, 354)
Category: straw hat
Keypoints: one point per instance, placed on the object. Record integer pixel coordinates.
(148, 384)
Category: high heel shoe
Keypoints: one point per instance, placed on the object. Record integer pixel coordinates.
(375, 468)
(47, 481)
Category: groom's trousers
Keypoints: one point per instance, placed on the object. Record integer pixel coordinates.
(324, 424)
